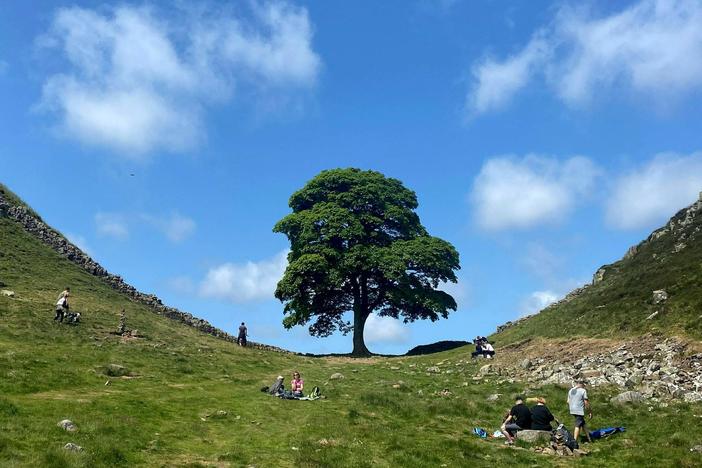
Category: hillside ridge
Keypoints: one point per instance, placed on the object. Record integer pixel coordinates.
(637, 283)
(11, 208)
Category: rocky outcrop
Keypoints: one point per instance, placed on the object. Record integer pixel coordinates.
(645, 368)
(52, 238)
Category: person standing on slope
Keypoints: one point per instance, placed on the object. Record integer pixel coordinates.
(243, 333)
(62, 304)
(577, 404)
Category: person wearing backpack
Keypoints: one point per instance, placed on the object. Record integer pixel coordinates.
(62, 304)
(243, 334)
(577, 404)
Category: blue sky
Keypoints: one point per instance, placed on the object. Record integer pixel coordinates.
(542, 138)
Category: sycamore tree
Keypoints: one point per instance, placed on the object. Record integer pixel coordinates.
(357, 245)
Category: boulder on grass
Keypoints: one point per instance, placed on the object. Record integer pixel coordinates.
(530, 436)
(627, 397)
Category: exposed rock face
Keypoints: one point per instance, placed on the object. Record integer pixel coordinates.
(645, 367)
(60, 244)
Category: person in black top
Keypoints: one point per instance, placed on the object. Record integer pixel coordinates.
(243, 334)
(519, 418)
(541, 417)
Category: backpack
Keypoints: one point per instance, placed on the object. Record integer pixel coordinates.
(562, 435)
(480, 432)
(316, 393)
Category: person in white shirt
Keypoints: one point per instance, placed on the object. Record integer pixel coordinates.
(62, 304)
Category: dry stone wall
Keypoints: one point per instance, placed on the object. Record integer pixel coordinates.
(52, 238)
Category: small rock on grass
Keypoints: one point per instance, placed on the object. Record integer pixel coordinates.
(493, 397)
(67, 425)
(337, 376)
(73, 447)
(696, 448)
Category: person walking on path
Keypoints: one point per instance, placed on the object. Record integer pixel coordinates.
(62, 304)
(577, 404)
(243, 333)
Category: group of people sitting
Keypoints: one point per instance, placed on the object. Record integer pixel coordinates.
(482, 348)
(521, 417)
(539, 417)
(297, 386)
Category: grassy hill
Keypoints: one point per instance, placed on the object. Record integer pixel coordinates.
(621, 300)
(386, 412)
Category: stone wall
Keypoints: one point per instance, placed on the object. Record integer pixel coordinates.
(63, 247)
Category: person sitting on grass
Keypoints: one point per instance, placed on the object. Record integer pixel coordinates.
(541, 416)
(297, 384)
(478, 349)
(518, 419)
(488, 350)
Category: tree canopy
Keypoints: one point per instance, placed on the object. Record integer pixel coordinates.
(357, 245)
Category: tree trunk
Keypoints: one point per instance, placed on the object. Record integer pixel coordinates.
(359, 323)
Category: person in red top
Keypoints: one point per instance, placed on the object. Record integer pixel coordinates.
(297, 384)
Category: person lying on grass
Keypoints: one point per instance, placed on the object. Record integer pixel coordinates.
(519, 418)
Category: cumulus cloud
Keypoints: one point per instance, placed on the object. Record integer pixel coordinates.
(385, 330)
(655, 191)
(645, 48)
(536, 301)
(112, 225)
(496, 82)
(510, 192)
(175, 226)
(245, 282)
(138, 80)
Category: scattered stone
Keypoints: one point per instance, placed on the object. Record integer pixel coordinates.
(7, 293)
(73, 447)
(627, 397)
(652, 316)
(525, 364)
(659, 296)
(116, 370)
(67, 425)
(486, 369)
(337, 376)
(433, 370)
(494, 397)
(444, 393)
(394, 368)
(532, 436)
(696, 448)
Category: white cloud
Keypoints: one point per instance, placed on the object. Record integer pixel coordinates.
(497, 82)
(647, 48)
(655, 191)
(520, 193)
(536, 301)
(112, 225)
(175, 226)
(245, 282)
(139, 80)
(385, 330)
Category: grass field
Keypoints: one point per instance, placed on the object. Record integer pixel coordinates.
(164, 412)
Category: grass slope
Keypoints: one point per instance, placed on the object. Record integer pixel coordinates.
(619, 305)
(165, 413)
